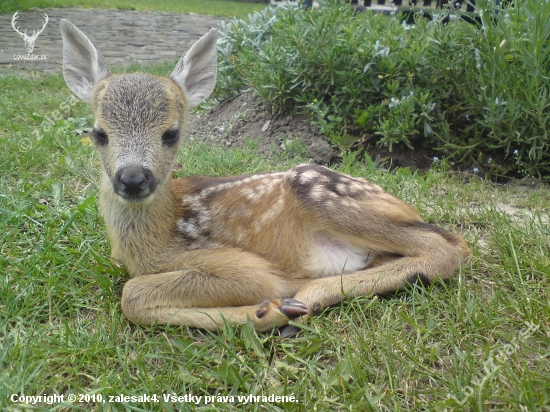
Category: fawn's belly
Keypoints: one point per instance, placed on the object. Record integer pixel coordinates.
(329, 256)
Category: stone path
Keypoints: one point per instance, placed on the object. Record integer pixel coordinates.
(123, 37)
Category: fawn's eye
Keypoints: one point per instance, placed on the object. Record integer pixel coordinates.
(100, 137)
(170, 137)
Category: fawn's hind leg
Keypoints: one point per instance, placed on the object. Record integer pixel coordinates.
(423, 251)
(211, 287)
(427, 252)
(361, 216)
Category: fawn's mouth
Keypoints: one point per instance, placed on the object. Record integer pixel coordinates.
(131, 199)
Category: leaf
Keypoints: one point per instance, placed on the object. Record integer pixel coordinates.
(251, 340)
(315, 346)
(87, 203)
(229, 372)
(362, 120)
(344, 370)
(55, 192)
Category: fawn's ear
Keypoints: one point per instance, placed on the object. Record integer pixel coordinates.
(83, 66)
(196, 71)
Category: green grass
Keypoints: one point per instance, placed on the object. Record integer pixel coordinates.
(225, 8)
(464, 346)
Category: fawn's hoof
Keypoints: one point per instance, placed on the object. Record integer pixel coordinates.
(277, 313)
(288, 330)
(293, 309)
(263, 309)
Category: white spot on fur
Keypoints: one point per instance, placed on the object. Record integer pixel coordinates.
(355, 188)
(317, 193)
(250, 193)
(263, 187)
(329, 256)
(204, 217)
(342, 188)
(193, 202)
(308, 176)
(188, 229)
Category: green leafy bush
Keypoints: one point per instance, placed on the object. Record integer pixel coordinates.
(474, 92)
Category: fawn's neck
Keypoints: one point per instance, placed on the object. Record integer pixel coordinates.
(138, 232)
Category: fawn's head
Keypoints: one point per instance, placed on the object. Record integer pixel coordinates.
(138, 117)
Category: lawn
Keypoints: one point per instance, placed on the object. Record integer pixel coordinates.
(479, 342)
(225, 8)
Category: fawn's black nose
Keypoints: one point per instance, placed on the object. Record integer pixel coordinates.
(134, 182)
(132, 178)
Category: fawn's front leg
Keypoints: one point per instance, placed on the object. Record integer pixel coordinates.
(206, 287)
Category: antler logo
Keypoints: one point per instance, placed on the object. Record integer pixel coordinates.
(29, 40)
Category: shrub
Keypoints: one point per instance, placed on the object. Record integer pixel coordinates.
(473, 92)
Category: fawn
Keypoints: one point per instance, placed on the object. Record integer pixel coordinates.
(264, 248)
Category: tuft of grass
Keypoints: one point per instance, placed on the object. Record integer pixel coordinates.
(222, 8)
(477, 343)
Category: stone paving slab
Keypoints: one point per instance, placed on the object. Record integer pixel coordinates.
(291, 3)
(123, 37)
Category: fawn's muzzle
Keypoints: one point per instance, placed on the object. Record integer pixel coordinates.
(134, 182)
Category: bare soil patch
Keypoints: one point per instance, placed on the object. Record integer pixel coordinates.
(234, 122)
